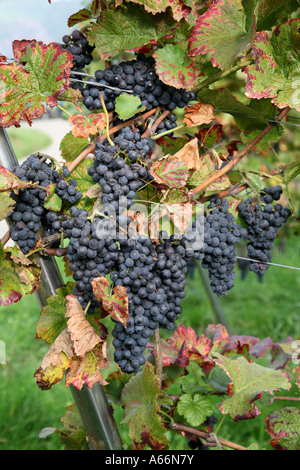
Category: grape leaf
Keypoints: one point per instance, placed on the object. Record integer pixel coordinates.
(52, 320)
(55, 362)
(71, 147)
(52, 201)
(168, 172)
(80, 174)
(43, 79)
(140, 401)
(179, 8)
(124, 29)
(128, 106)
(198, 114)
(284, 428)
(81, 15)
(195, 409)
(87, 370)
(249, 381)
(84, 126)
(7, 205)
(83, 335)
(18, 276)
(174, 67)
(210, 136)
(10, 182)
(116, 302)
(226, 30)
(276, 70)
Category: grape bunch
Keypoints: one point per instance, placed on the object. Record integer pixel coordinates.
(135, 271)
(90, 254)
(26, 218)
(138, 76)
(263, 221)
(118, 180)
(221, 234)
(81, 50)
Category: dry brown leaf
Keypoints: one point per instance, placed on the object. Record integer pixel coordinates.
(198, 114)
(62, 344)
(189, 155)
(82, 333)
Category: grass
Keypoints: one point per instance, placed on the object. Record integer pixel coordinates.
(270, 308)
(27, 141)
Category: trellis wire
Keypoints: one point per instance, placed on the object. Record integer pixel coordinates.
(267, 262)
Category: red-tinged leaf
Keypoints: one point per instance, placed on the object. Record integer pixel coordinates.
(140, 399)
(17, 276)
(210, 136)
(175, 68)
(208, 34)
(240, 345)
(169, 173)
(249, 381)
(19, 47)
(261, 347)
(218, 335)
(87, 370)
(180, 9)
(82, 15)
(43, 78)
(3, 59)
(115, 303)
(84, 126)
(10, 182)
(95, 7)
(284, 428)
(276, 69)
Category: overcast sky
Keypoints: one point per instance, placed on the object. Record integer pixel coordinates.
(34, 19)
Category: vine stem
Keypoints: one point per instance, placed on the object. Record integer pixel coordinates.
(222, 74)
(204, 435)
(81, 156)
(107, 120)
(6, 237)
(217, 174)
(155, 125)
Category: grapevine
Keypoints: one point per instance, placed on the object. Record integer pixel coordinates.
(151, 184)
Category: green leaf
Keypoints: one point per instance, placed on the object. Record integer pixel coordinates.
(18, 276)
(52, 201)
(128, 106)
(226, 30)
(71, 147)
(275, 73)
(7, 205)
(292, 171)
(52, 320)
(249, 381)
(284, 428)
(43, 79)
(140, 401)
(80, 174)
(123, 30)
(195, 409)
(175, 68)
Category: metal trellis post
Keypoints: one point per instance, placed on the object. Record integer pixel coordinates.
(92, 402)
